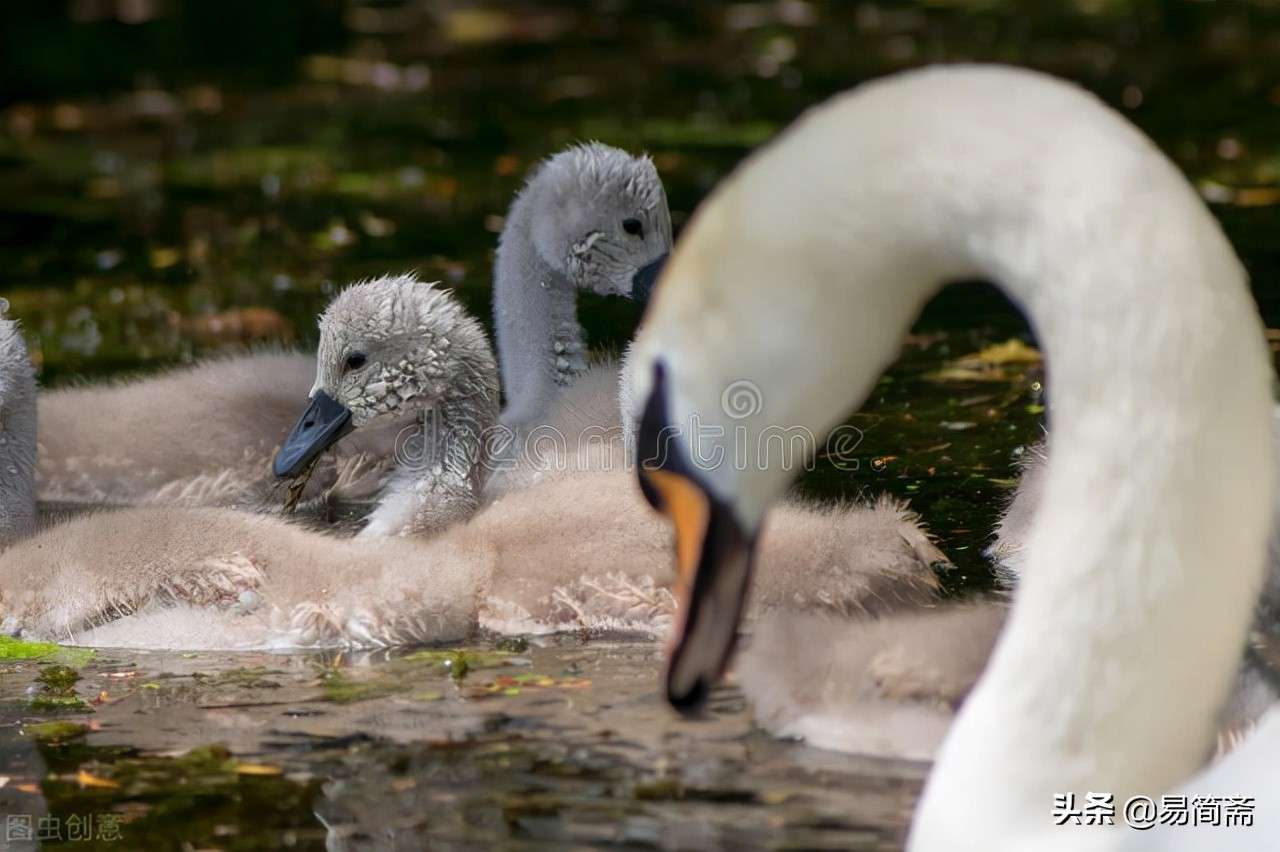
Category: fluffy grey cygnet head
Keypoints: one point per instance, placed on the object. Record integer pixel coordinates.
(598, 215)
(395, 344)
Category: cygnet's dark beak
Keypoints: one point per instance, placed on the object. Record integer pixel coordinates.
(321, 426)
(646, 277)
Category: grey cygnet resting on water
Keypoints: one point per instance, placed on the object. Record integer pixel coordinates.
(578, 551)
(206, 435)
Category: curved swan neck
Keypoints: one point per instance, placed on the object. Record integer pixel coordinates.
(1144, 560)
(824, 248)
(17, 436)
(541, 345)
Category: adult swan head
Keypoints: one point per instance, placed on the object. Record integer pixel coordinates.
(801, 275)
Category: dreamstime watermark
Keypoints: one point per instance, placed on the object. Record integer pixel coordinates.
(741, 399)
(458, 440)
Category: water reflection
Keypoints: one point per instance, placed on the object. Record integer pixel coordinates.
(567, 744)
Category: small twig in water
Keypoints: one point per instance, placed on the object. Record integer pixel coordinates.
(297, 485)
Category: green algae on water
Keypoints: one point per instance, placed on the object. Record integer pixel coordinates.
(58, 679)
(16, 649)
(58, 689)
(458, 662)
(341, 689)
(512, 644)
(55, 733)
(340, 686)
(59, 702)
(213, 759)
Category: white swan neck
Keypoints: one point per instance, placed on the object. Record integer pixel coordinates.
(1144, 559)
(1155, 516)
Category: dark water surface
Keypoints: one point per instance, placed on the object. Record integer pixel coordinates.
(179, 179)
(561, 747)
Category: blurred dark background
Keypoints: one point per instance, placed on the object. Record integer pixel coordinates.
(165, 162)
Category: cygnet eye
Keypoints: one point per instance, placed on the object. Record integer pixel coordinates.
(634, 227)
(356, 360)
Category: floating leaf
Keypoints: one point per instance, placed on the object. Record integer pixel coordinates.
(257, 769)
(1012, 351)
(968, 374)
(880, 463)
(987, 364)
(88, 779)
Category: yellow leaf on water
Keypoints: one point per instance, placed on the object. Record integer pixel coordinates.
(1012, 351)
(968, 374)
(88, 779)
(257, 769)
(987, 365)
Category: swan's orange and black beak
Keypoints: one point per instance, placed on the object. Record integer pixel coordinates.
(321, 426)
(713, 557)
